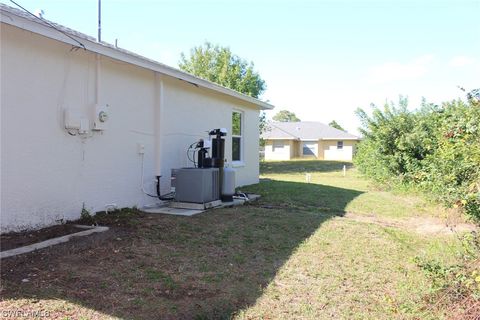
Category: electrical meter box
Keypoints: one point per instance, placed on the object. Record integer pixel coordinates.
(101, 117)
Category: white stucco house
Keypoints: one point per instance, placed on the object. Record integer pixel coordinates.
(289, 140)
(84, 123)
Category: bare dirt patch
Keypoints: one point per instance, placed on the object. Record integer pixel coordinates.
(421, 225)
(15, 240)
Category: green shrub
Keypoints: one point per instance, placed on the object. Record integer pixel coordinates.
(454, 168)
(435, 148)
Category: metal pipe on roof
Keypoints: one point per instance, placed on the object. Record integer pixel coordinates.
(99, 37)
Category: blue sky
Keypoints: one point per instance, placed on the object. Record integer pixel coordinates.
(320, 59)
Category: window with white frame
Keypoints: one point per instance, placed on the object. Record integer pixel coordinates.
(237, 118)
(339, 145)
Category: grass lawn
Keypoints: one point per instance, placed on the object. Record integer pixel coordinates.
(333, 248)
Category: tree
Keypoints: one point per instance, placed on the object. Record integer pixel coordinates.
(263, 126)
(285, 116)
(263, 122)
(220, 65)
(334, 124)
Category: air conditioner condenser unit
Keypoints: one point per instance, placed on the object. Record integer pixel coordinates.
(197, 185)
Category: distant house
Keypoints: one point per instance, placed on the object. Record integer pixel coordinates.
(288, 140)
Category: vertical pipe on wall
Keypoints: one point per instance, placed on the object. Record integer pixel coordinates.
(158, 123)
(97, 79)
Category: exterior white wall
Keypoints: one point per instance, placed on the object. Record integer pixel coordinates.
(330, 151)
(189, 112)
(47, 175)
(273, 151)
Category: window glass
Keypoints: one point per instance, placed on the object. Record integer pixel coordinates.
(236, 124)
(339, 144)
(236, 136)
(236, 145)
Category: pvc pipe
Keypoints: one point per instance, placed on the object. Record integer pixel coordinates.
(159, 101)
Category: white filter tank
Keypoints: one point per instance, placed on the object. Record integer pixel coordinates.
(228, 186)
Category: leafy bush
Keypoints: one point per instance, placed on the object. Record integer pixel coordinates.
(394, 142)
(456, 288)
(434, 148)
(454, 168)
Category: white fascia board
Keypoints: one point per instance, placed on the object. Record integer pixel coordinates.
(340, 139)
(123, 55)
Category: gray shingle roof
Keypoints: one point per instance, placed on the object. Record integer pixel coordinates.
(45, 22)
(305, 130)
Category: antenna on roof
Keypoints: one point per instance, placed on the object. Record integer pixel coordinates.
(99, 38)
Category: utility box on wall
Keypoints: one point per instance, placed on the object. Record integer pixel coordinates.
(197, 185)
(100, 117)
(75, 120)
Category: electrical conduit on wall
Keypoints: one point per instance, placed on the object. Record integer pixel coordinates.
(97, 80)
(159, 101)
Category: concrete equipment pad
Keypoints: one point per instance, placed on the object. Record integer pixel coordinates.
(174, 211)
(190, 209)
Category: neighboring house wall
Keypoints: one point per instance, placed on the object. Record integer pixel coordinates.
(322, 150)
(331, 151)
(282, 149)
(296, 151)
(279, 149)
(48, 175)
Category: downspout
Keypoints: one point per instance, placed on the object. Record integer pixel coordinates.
(158, 129)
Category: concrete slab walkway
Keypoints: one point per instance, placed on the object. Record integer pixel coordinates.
(51, 242)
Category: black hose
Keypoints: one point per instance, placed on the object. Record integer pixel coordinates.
(158, 186)
(164, 197)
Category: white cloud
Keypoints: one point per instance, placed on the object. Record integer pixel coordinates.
(461, 61)
(393, 71)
